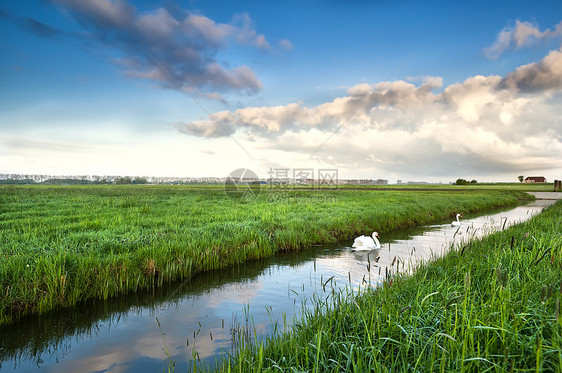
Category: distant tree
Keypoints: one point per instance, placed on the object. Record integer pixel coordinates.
(520, 177)
(461, 182)
(123, 180)
(473, 181)
(140, 180)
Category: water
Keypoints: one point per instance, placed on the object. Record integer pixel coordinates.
(205, 316)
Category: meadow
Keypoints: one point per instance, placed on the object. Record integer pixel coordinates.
(492, 305)
(65, 244)
(527, 187)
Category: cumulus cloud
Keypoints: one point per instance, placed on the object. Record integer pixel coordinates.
(523, 34)
(485, 124)
(174, 47)
(537, 76)
(361, 101)
(286, 44)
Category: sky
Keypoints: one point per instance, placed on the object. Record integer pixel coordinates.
(395, 90)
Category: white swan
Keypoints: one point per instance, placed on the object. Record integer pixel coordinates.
(366, 243)
(457, 222)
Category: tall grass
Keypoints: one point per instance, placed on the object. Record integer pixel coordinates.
(527, 187)
(490, 306)
(62, 245)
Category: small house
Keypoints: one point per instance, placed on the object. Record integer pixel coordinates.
(535, 179)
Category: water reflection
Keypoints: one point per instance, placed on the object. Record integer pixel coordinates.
(204, 316)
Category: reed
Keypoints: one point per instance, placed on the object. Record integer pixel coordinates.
(492, 308)
(63, 245)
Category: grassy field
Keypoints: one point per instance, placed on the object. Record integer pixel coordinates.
(530, 187)
(62, 245)
(491, 306)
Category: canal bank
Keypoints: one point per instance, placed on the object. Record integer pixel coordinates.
(547, 195)
(488, 305)
(208, 315)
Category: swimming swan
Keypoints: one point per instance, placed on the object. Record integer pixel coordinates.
(457, 222)
(366, 243)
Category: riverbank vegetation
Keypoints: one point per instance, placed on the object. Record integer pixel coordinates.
(62, 245)
(490, 305)
(527, 187)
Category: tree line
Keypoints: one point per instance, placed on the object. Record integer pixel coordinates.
(464, 182)
(21, 179)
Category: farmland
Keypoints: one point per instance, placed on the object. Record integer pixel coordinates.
(491, 305)
(62, 245)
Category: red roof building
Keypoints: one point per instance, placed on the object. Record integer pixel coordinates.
(535, 179)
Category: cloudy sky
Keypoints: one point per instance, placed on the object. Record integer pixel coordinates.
(376, 89)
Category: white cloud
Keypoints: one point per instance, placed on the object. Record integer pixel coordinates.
(487, 124)
(537, 76)
(176, 49)
(286, 44)
(523, 34)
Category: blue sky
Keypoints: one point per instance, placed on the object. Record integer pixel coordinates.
(377, 89)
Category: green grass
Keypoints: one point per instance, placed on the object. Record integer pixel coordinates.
(63, 245)
(490, 306)
(527, 187)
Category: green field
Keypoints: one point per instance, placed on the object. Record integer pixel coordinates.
(62, 245)
(490, 306)
(530, 187)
